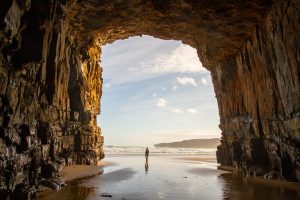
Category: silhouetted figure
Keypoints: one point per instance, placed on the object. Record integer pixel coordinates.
(147, 154)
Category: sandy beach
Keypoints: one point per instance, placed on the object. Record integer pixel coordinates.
(70, 173)
(196, 158)
(165, 177)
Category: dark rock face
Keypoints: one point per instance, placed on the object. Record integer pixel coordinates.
(48, 104)
(258, 94)
(50, 79)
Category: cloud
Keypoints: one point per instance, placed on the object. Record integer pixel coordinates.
(182, 59)
(176, 110)
(161, 102)
(186, 81)
(203, 81)
(154, 95)
(175, 87)
(192, 110)
(129, 61)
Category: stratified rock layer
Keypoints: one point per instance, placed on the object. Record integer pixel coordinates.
(50, 79)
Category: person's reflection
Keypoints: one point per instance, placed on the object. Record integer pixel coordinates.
(146, 166)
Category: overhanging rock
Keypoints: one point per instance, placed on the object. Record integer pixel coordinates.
(50, 78)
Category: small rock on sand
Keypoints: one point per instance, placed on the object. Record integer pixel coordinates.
(106, 195)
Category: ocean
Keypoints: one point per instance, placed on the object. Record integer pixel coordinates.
(134, 150)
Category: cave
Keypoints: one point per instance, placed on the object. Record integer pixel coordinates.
(50, 73)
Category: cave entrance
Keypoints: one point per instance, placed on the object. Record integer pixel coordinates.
(217, 30)
(155, 91)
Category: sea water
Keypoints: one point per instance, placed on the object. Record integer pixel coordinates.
(135, 150)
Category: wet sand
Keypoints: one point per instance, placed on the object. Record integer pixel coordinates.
(70, 173)
(169, 177)
(197, 158)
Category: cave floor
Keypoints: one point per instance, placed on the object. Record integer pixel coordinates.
(167, 177)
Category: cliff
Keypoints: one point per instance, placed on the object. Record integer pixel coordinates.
(49, 97)
(193, 143)
(50, 79)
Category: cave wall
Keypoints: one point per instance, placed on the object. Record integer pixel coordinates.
(50, 78)
(258, 95)
(49, 95)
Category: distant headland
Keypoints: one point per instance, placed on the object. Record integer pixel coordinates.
(192, 143)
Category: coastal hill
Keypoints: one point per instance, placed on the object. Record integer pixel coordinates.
(193, 143)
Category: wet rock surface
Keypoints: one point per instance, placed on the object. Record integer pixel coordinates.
(50, 80)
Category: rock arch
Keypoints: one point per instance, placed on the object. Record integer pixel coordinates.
(50, 75)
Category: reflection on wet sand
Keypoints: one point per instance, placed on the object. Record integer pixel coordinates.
(237, 187)
(111, 177)
(146, 166)
(73, 191)
(169, 179)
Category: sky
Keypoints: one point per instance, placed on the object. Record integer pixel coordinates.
(155, 91)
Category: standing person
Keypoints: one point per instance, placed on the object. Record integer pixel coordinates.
(147, 154)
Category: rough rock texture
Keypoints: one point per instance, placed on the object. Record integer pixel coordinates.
(258, 94)
(49, 96)
(50, 79)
